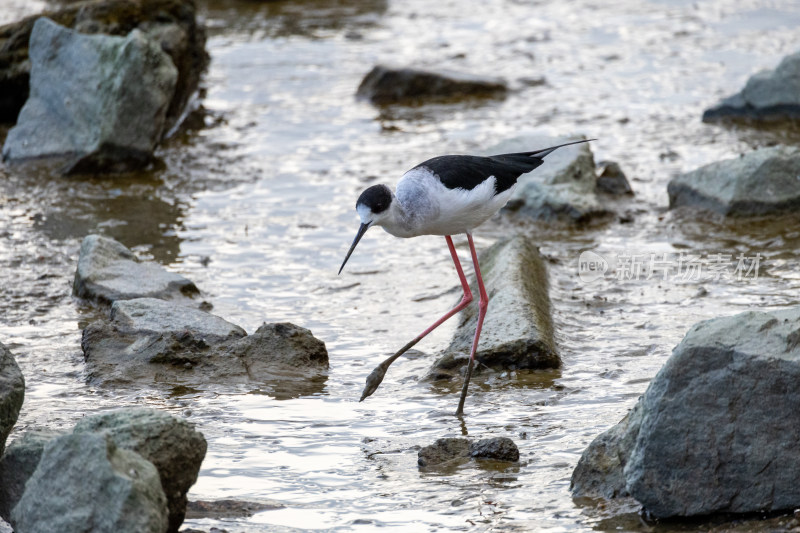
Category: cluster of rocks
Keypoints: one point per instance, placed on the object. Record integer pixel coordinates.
(102, 82)
(154, 333)
(717, 429)
(133, 468)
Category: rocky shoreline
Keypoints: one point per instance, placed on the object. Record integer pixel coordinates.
(715, 433)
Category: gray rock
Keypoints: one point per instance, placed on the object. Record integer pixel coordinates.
(98, 101)
(769, 95)
(612, 180)
(172, 445)
(12, 393)
(108, 271)
(599, 473)
(563, 189)
(171, 23)
(149, 341)
(758, 183)
(84, 482)
(518, 330)
(719, 424)
(497, 449)
(448, 452)
(385, 85)
(18, 464)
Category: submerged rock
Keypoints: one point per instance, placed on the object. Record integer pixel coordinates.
(384, 85)
(84, 482)
(518, 329)
(717, 429)
(171, 23)
(768, 96)
(97, 101)
(149, 340)
(18, 464)
(563, 189)
(172, 445)
(454, 451)
(108, 271)
(12, 393)
(760, 182)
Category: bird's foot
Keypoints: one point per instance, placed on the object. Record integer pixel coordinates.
(373, 381)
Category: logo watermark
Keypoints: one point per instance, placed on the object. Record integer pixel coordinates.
(669, 267)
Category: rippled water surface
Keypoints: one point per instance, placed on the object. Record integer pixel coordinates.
(255, 204)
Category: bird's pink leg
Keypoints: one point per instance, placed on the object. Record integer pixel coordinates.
(376, 376)
(483, 304)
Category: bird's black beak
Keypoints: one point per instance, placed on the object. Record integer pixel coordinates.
(361, 231)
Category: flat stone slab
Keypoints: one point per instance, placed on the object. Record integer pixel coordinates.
(12, 394)
(717, 429)
(768, 96)
(517, 332)
(149, 341)
(385, 85)
(761, 182)
(108, 271)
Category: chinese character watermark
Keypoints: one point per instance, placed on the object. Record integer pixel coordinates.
(669, 267)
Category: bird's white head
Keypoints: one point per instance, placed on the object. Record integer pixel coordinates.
(373, 207)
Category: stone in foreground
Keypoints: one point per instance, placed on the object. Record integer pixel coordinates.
(768, 96)
(456, 451)
(384, 85)
(84, 482)
(518, 329)
(171, 444)
(12, 394)
(18, 464)
(108, 271)
(762, 182)
(717, 429)
(98, 102)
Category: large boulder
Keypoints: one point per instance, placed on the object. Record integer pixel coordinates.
(768, 96)
(150, 341)
(384, 85)
(12, 393)
(760, 182)
(97, 101)
(108, 271)
(172, 445)
(171, 23)
(518, 329)
(18, 464)
(563, 189)
(84, 482)
(718, 427)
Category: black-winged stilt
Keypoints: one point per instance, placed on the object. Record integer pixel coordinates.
(445, 195)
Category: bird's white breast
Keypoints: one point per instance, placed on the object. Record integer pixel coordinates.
(433, 209)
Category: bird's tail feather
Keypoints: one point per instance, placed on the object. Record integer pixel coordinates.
(540, 154)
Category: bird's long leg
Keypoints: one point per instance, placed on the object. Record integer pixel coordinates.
(376, 376)
(483, 304)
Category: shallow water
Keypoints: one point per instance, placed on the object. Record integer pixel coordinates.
(256, 206)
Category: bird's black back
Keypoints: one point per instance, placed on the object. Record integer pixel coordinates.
(469, 171)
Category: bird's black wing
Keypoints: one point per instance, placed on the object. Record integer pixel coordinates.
(469, 171)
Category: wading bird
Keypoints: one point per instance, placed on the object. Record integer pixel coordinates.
(445, 195)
